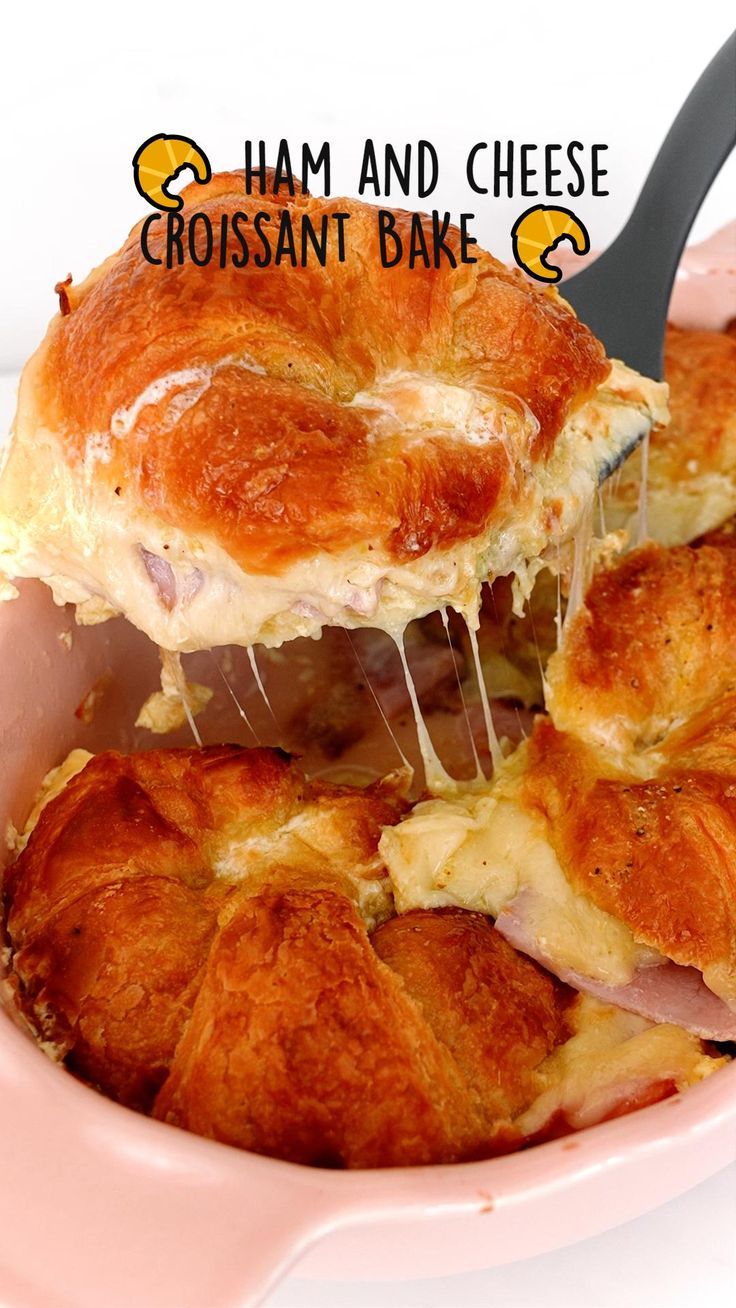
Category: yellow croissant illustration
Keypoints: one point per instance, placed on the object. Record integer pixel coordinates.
(159, 160)
(536, 233)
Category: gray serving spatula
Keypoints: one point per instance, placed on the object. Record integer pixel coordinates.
(624, 296)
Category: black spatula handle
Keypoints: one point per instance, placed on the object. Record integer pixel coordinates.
(624, 295)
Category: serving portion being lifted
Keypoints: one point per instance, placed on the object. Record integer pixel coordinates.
(245, 455)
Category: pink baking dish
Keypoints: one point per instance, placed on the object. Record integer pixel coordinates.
(101, 1206)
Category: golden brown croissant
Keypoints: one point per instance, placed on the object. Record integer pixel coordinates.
(246, 454)
(190, 929)
(691, 490)
(692, 463)
(606, 847)
(190, 920)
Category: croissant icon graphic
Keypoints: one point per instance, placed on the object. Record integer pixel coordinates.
(159, 160)
(536, 234)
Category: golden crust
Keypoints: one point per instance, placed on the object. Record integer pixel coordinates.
(658, 854)
(303, 1044)
(140, 839)
(252, 1006)
(692, 461)
(149, 814)
(498, 1013)
(634, 772)
(186, 929)
(111, 978)
(701, 437)
(277, 457)
(652, 645)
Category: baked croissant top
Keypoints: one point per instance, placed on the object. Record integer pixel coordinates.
(245, 454)
(206, 936)
(691, 471)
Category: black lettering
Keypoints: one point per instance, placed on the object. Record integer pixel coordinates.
(174, 233)
(369, 170)
(387, 231)
(392, 164)
(499, 172)
(418, 244)
(259, 222)
(223, 240)
(260, 171)
(549, 171)
(579, 187)
(200, 260)
(149, 258)
(318, 246)
(309, 164)
(597, 171)
(427, 153)
(340, 219)
(239, 219)
(466, 239)
(439, 244)
(282, 174)
(285, 247)
(526, 170)
(470, 168)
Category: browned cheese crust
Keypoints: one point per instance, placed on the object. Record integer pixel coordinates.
(277, 459)
(700, 368)
(652, 645)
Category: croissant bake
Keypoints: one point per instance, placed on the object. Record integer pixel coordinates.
(208, 937)
(325, 973)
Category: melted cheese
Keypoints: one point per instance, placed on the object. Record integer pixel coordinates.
(178, 701)
(479, 850)
(494, 747)
(611, 1057)
(66, 526)
(437, 778)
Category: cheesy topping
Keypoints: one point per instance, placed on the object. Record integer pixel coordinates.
(611, 1058)
(479, 850)
(186, 592)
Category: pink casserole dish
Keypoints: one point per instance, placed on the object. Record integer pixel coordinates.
(101, 1205)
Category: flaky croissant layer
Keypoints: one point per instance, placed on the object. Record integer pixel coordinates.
(208, 937)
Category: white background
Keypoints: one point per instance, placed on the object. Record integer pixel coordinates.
(82, 86)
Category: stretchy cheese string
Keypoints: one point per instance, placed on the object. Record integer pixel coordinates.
(239, 707)
(437, 778)
(446, 625)
(558, 610)
(494, 748)
(259, 683)
(581, 563)
(378, 703)
(601, 513)
(174, 664)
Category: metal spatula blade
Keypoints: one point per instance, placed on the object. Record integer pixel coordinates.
(624, 296)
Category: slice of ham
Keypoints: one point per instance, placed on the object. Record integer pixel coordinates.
(162, 576)
(665, 992)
